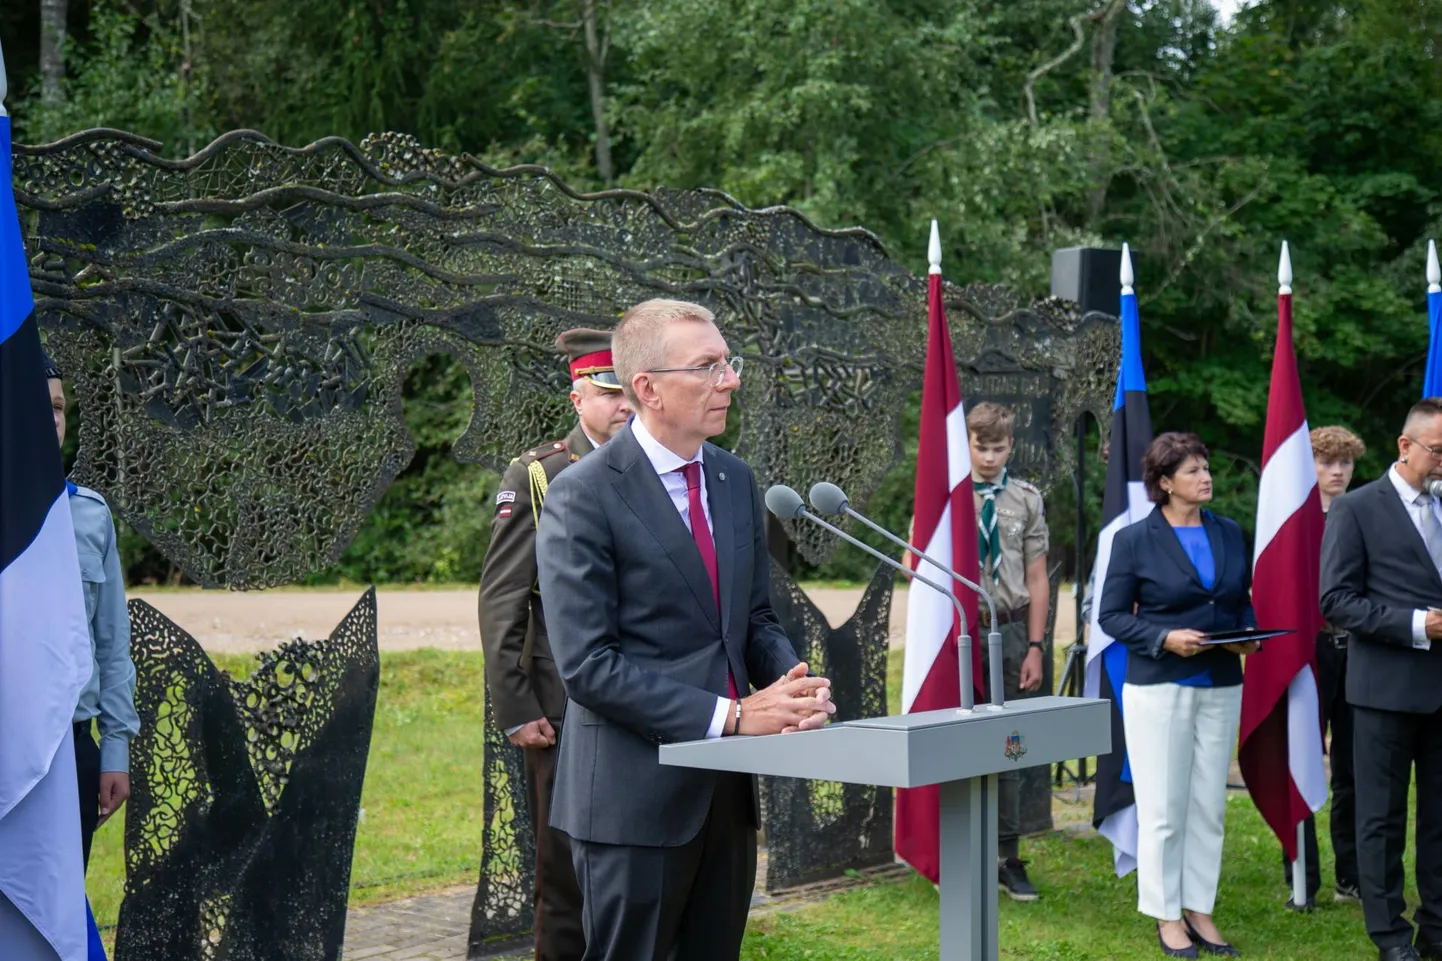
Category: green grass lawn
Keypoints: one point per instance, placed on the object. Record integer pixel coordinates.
(421, 824)
(422, 829)
(1085, 914)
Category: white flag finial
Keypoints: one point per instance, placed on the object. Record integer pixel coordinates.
(933, 250)
(1284, 271)
(1434, 272)
(4, 86)
(1128, 278)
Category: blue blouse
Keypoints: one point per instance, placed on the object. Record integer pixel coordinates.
(1199, 548)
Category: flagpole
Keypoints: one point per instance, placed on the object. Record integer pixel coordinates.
(1299, 866)
(1432, 380)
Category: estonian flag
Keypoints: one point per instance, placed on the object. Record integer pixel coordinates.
(45, 655)
(1125, 502)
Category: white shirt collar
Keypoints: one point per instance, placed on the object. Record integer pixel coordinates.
(662, 458)
(594, 442)
(1406, 491)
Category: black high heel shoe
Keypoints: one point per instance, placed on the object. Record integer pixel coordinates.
(1222, 950)
(1190, 951)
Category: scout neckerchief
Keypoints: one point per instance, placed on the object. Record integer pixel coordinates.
(988, 540)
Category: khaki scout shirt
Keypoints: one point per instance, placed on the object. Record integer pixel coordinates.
(1021, 522)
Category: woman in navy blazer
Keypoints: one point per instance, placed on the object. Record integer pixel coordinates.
(1180, 573)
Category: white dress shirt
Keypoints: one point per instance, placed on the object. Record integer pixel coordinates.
(1416, 502)
(667, 463)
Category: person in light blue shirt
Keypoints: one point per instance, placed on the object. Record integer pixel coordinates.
(108, 700)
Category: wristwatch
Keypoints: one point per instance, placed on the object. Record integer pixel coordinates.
(1039, 645)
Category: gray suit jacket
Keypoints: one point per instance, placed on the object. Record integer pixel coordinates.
(1375, 573)
(638, 641)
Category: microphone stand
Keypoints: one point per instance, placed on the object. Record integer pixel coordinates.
(968, 698)
(993, 639)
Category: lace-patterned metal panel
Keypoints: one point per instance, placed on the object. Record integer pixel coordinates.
(504, 911)
(818, 829)
(239, 325)
(245, 793)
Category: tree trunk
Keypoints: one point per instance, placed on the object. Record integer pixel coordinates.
(52, 37)
(596, 50)
(1104, 46)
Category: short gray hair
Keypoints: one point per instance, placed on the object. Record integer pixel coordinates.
(638, 344)
(1422, 411)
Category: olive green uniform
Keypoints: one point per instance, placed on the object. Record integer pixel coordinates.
(522, 678)
(1021, 527)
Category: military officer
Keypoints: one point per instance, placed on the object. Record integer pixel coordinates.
(1012, 542)
(526, 692)
(108, 699)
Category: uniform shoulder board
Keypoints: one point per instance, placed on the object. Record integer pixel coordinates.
(546, 450)
(1027, 486)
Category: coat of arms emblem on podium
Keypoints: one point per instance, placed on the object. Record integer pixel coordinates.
(1015, 746)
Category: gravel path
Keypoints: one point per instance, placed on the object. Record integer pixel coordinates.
(232, 622)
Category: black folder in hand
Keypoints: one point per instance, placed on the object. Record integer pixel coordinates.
(1242, 636)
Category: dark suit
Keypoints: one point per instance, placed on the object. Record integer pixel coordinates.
(1375, 573)
(522, 678)
(1150, 569)
(666, 856)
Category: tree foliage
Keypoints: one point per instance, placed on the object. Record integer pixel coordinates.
(1022, 125)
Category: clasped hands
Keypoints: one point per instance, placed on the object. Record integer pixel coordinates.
(794, 702)
(1187, 642)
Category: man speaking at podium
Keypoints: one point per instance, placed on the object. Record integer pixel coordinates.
(653, 562)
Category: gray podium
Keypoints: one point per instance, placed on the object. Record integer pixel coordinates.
(960, 750)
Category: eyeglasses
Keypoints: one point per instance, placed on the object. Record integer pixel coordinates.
(1436, 452)
(716, 372)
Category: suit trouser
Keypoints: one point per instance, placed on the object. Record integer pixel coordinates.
(684, 903)
(1386, 745)
(1179, 746)
(559, 936)
(1014, 649)
(1336, 715)
(87, 778)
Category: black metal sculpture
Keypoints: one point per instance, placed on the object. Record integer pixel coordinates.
(818, 829)
(238, 326)
(245, 794)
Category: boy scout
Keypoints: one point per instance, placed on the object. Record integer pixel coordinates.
(1012, 542)
(526, 693)
(103, 771)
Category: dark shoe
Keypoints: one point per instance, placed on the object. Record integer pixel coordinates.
(1223, 950)
(1428, 951)
(1402, 952)
(1190, 951)
(1011, 875)
(1348, 892)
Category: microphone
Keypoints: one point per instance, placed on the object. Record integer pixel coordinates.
(786, 504)
(830, 499)
(1434, 487)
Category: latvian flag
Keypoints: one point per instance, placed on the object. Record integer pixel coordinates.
(1280, 749)
(1114, 813)
(945, 528)
(44, 638)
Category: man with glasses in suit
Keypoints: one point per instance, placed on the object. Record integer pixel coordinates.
(654, 566)
(1382, 582)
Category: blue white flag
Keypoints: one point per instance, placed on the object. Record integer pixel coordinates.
(1125, 502)
(1432, 380)
(45, 655)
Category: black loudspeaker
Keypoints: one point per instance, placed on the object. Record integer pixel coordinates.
(1090, 276)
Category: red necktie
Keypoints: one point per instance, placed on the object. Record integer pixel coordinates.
(701, 532)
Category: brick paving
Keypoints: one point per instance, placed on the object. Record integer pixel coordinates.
(434, 927)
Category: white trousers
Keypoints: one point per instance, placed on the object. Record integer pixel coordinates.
(1179, 746)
